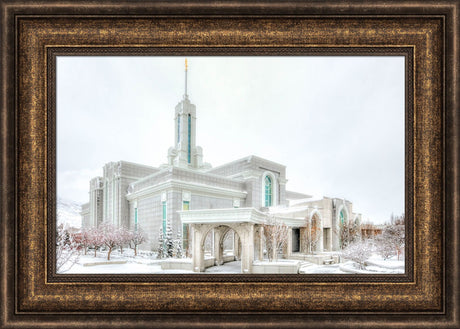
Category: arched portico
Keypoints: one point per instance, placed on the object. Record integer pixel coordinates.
(245, 222)
(221, 239)
(245, 232)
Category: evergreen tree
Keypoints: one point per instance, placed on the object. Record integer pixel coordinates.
(178, 246)
(168, 241)
(161, 245)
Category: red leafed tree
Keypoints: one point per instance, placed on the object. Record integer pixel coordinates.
(112, 237)
(85, 239)
(137, 237)
(276, 236)
(125, 237)
(96, 238)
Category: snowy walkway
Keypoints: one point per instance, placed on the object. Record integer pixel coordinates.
(230, 267)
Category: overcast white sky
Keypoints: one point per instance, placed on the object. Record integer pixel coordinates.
(337, 123)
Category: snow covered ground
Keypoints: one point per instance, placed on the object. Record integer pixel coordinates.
(375, 265)
(146, 263)
(126, 263)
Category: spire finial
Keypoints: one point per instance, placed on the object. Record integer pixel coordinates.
(186, 68)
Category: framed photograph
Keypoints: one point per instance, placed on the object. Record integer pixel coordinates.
(261, 164)
(188, 216)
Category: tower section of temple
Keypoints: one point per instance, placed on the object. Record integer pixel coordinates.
(185, 153)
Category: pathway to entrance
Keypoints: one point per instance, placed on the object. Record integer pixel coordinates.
(230, 267)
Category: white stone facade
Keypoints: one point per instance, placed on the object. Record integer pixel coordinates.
(197, 198)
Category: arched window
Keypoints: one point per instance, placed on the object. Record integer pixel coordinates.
(342, 217)
(268, 191)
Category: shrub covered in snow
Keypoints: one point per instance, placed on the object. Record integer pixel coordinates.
(391, 241)
(358, 252)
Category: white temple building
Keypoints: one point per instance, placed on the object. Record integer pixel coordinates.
(230, 202)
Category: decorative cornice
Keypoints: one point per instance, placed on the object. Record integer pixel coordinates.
(228, 215)
(193, 187)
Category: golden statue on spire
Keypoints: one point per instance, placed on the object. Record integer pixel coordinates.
(186, 66)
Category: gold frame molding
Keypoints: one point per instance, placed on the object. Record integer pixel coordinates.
(32, 34)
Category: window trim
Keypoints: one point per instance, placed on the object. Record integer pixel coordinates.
(274, 182)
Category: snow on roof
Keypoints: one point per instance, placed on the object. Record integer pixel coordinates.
(287, 210)
(304, 201)
(291, 195)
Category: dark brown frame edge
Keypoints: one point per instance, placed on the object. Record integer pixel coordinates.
(450, 317)
(52, 52)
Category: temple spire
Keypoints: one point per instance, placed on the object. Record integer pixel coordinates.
(186, 67)
(185, 153)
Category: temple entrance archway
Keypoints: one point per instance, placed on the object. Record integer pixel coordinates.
(222, 244)
(246, 224)
(209, 250)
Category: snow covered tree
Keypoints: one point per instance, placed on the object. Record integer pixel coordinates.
(137, 237)
(67, 253)
(85, 240)
(161, 245)
(168, 241)
(392, 240)
(112, 237)
(125, 237)
(384, 248)
(348, 232)
(96, 237)
(178, 245)
(358, 252)
(397, 220)
(276, 236)
(312, 234)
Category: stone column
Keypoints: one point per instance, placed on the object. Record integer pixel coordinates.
(236, 245)
(302, 233)
(256, 243)
(261, 243)
(330, 236)
(289, 243)
(198, 249)
(247, 244)
(218, 247)
(319, 244)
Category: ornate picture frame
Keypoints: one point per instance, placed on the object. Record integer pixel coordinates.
(33, 34)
